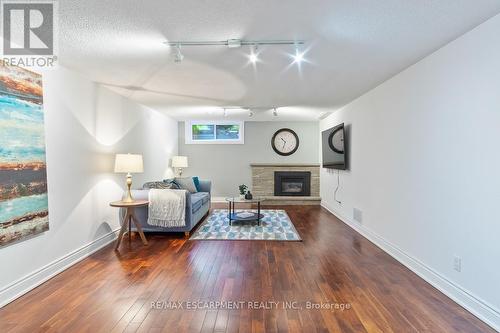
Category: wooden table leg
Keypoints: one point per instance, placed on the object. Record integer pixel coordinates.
(122, 230)
(139, 228)
(130, 227)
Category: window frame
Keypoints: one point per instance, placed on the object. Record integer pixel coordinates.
(188, 132)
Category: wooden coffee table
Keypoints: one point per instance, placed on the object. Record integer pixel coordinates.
(129, 217)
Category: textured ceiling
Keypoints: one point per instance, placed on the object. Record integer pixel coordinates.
(352, 47)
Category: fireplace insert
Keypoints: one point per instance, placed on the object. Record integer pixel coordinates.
(292, 183)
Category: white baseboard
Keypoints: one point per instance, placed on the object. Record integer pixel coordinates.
(36, 278)
(475, 305)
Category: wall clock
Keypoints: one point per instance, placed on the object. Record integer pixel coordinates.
(285, 142)
(336, 140)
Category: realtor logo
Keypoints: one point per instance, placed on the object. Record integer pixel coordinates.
(28, 28)
(29, 32)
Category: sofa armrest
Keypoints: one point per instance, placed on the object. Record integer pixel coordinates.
(205, 185)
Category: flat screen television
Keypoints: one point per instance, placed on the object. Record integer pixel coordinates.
(334, 148)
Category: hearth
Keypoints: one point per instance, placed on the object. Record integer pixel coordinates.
(292, 183)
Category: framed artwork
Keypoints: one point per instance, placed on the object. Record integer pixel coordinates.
(23, 177)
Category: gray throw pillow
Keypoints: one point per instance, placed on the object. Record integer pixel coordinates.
(159, 185)
(186, 183)
(172, 184)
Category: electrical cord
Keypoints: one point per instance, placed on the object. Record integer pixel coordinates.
(338, 185)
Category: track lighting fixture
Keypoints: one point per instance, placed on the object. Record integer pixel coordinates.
(237, 43)
(250, 109)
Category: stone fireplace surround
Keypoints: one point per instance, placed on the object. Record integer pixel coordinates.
(263, 183)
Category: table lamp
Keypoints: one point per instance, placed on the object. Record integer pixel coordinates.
(179, 162)
(128, 163)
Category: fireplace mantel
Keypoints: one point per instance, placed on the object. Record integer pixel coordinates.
(263, 183)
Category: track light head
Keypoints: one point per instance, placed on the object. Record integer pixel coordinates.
(275, 112)
(250, 113)
(225, 112)
(178, 54)
(233, 43)
(253, 57)
(298, 57)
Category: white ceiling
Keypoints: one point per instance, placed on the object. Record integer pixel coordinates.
(352, 47)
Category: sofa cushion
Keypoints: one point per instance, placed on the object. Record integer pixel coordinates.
(206, 197)
(197, 200)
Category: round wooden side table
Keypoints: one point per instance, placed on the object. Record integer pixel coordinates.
(129, 217)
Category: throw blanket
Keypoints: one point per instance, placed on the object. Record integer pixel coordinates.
(167, 208)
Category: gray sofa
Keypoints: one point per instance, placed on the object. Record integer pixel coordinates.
(197, 206)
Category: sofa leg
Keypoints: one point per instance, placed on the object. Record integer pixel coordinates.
(186, 234)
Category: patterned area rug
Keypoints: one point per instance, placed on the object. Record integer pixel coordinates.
(275, 225)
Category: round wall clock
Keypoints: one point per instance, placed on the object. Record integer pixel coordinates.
(285, 142)
(336, 140)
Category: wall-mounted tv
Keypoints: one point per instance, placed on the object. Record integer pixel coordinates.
(334, 148)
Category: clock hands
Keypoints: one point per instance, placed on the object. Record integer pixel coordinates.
(284, 142)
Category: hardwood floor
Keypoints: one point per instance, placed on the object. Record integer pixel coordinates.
(113, 291)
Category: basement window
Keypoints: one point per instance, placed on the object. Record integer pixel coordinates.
(214, 132)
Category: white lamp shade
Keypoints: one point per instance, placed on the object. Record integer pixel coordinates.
(128, 163)
(179, 162)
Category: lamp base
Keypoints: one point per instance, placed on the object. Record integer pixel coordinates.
(179, 171)
(129, 198)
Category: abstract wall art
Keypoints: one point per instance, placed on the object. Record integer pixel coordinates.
(23, 178)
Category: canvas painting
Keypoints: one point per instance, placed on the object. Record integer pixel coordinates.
(23, 177)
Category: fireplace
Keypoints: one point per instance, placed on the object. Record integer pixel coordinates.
(292, 183)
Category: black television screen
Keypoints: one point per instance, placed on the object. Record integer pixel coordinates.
(334, 148)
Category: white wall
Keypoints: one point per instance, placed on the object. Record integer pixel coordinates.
(85, 126)
(229, 165)
(425, 168)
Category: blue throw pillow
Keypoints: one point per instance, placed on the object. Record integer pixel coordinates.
(196, 181)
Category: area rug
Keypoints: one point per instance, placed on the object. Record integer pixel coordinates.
(274, 226)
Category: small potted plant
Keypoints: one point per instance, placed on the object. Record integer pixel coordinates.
(243, 189)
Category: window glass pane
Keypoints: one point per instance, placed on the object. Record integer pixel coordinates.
(203, 132)
(228, 132)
